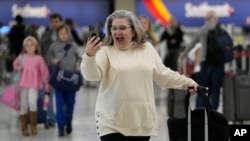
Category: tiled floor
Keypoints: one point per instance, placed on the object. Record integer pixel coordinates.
(84, 128)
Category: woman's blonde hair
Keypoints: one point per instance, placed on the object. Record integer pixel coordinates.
(150, 31)
(34, 40)
(139, 39)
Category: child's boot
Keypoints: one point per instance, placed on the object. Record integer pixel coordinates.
(24, 125)
(33, 119)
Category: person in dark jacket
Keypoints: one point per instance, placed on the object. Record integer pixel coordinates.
(72, 26)
(174, 36)
(211, 75)
(16, 37)
(49, 37)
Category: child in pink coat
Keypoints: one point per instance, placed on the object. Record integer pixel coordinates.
(34, 74)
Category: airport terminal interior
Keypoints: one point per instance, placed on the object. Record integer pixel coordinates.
(190, 17)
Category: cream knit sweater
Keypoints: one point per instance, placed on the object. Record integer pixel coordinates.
(125, 102)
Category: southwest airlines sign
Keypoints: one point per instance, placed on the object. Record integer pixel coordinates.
(28, 11)
(191, 13)
(222, 10)
(38, 11)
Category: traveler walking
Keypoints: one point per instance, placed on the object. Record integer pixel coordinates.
(126, 64)
(65, 100)
(16, 37)
(48, 37)
(174, 36)
(148, 30)
(34, 73)
(211, 75)
(72, 26)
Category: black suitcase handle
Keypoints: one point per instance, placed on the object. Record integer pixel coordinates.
(201, 90)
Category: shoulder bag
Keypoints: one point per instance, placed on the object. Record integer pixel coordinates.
(10, 96)
(65, 80)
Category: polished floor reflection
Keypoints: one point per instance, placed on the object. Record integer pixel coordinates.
(84, 128)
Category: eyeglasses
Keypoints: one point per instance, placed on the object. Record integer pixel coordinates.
(121, 28)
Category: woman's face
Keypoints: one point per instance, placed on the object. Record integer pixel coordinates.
(63, 35)
(145, 24)
(30, 47)
(122, 32)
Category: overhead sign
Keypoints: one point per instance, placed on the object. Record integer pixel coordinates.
(28, 11)
(200, 10)
(83, 12)
(191, 13)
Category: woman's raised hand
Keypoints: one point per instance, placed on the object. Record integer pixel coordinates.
(93, 45)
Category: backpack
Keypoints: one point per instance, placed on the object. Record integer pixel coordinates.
(219, 46)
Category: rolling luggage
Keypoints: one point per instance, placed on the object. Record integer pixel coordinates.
(229, 97)
(176, 98)
(236, 95)
(236, 90)
(175, 102)
(201, 124)
(41, 113)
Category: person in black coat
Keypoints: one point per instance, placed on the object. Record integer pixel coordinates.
(16, 37)
(71, 24)
(174, 36)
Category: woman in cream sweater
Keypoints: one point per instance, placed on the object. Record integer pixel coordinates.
(127, 65)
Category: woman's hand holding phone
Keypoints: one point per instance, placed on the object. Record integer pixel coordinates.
(93, 45)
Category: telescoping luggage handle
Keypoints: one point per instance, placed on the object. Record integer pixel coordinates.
(201, 90)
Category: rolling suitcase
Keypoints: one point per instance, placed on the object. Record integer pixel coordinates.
(229, 98)
(176, 98)
(41, 113)
(242, 96)
(236, 90)
(201, 124)
(175, 102)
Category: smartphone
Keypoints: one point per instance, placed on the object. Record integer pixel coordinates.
(95, 30)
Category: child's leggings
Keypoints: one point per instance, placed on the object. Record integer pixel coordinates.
(28, 99)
